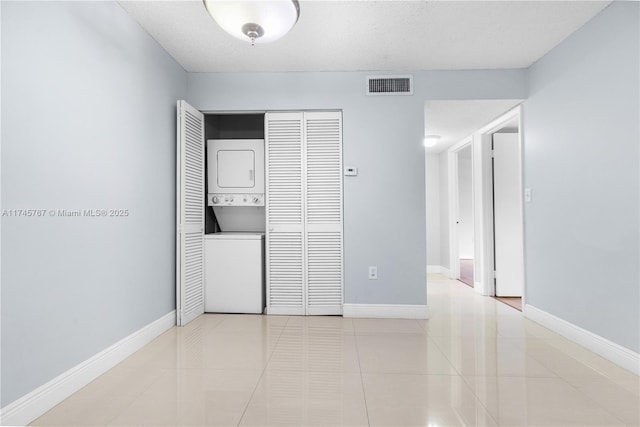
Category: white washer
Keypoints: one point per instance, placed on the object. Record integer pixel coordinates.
(234, 272)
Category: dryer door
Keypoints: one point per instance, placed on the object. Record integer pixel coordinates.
(236, 169)
(235, 166)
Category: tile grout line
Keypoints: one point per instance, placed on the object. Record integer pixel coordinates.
(557, 374)
(262, 373)
(589, 398)
(464, 380)
(565, 381)
(134, 399)
(163, 372)
(364, 393)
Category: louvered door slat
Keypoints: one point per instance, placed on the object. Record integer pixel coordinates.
(324, 167)
(304, 213)
(190, 214)
(285, 215)
(284, 165)
(324, 263)
(323, 199)
(286, 277)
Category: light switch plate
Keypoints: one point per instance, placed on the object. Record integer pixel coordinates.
(527, 195)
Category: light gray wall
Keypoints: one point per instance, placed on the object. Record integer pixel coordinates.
(88, 122)
(465, 204)
(433, 209)
(581, 159)
(384, 206)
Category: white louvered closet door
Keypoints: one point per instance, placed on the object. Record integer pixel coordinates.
(189, 214)
(323, 201)
(285, 271)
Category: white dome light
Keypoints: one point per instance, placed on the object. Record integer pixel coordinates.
(255, 20)
(431, 140)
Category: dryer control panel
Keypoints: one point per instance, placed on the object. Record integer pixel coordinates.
(236, 199)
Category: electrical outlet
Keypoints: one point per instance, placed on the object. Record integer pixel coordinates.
(373, 273)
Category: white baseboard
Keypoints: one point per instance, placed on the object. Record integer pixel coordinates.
(482, 290)
(29, 407)
(393, 311)
(621, 356)
(438, 269)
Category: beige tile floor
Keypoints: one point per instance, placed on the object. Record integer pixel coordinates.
(475, 362)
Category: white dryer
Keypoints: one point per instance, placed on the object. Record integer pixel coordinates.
(235, 182)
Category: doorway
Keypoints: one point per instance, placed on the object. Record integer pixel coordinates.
(463, 123)
(461, 211)
(502, 209)
(464, 222)
(489, 247)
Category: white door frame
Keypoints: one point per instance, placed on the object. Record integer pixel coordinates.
(483, 199)
(482, 188)
(452, 170)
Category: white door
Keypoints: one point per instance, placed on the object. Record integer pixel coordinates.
(507, 213)
(189, 214)
(286, 275)
(323, 219)
(304, 213)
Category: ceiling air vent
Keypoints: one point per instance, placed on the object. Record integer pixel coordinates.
(390, 85)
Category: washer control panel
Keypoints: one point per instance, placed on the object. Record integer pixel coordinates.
(236, 199)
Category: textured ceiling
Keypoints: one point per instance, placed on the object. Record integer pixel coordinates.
(387, 35)
(372, 35)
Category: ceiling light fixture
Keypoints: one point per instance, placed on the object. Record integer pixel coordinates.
(259, 21)
(431, 140)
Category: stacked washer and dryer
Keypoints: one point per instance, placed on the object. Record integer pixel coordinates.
(234, 256)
